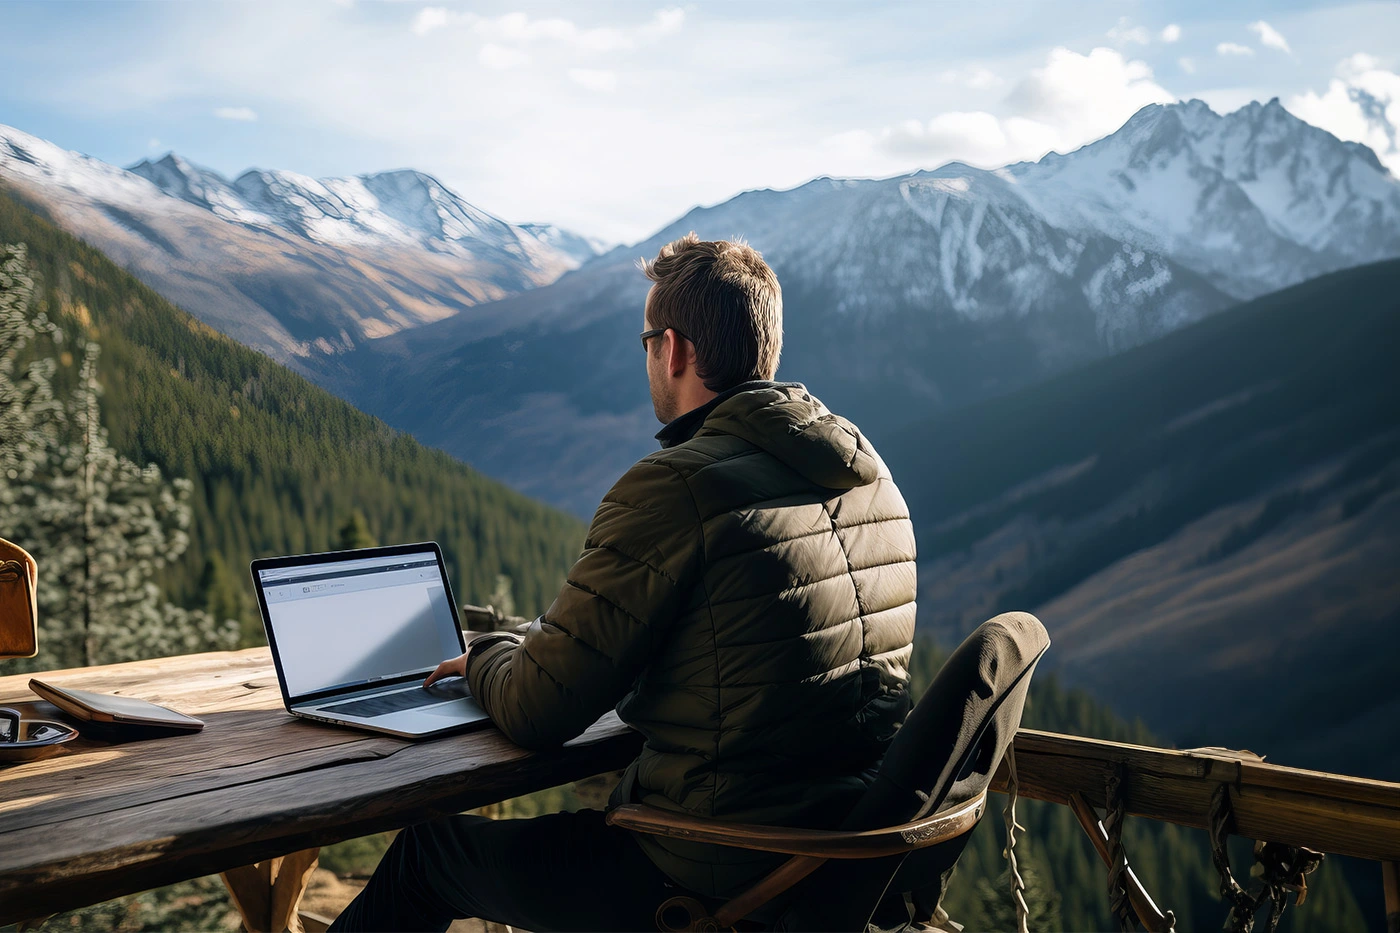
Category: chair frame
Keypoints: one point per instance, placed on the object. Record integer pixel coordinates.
(809, 848)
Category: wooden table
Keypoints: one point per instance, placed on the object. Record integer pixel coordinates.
(101, 820)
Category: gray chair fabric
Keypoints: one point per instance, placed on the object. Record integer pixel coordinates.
(945, 754)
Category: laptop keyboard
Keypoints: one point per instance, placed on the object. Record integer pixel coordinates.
(398, 702)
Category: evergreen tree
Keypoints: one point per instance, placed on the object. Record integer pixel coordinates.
(100, 526)
(355, 532)
(277, 463)
(221, 596)
(29, 414)
(503, 596)
(1042, 902)
(32, 421)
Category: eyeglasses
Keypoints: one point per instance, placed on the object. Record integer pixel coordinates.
(657, 332)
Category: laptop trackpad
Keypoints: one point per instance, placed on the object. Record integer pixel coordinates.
(465, 708)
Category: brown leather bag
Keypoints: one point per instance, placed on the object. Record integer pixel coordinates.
(19, 612)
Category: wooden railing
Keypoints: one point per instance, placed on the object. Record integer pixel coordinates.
(1330, 813)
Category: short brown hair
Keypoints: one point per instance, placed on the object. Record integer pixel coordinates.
(724, 298)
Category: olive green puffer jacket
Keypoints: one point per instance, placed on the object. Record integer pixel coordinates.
(745, 599)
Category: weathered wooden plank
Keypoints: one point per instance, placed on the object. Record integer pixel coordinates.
(1322, 784)
(248, 735)
(201, 682)
(101, 820)
(64, 865)
(1334, 813)
(49, 798)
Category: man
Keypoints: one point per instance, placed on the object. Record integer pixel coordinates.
(745, 599)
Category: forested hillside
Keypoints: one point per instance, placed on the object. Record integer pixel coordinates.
(277, 464)
(1208, 525)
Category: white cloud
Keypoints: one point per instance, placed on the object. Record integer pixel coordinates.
(153, 144)
(1072, 100)
(428, 19)
(1087, 95)
(242, 114)
(1358, 64)
(521, 28)
(1171, 33)
(975, 78)
(595, 79)
(1233, 48)
(1361, 104)
(1124, 33)
(500, 57)
(1269, 36)
(1186, 64)
(977, 134)
(664, 23)
(354, 96)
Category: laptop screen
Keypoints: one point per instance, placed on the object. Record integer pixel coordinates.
(356, 621)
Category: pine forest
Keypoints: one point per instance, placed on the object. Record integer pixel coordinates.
(214, 455)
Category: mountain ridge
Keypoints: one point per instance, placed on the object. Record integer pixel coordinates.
(948, 285)
(287, 264)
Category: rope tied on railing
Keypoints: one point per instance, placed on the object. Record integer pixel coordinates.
(1118, 864)
(1018, 884)
(1281, 868)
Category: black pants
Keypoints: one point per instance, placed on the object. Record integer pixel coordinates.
(564, 871)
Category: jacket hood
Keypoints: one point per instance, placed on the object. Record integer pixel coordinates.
(788, 422)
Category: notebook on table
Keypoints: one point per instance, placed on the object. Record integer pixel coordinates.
(116, 716)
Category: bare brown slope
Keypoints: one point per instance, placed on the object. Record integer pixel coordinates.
(291, 297)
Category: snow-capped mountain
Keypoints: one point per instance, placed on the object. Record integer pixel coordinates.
(902, 295)
(907, 295)
(401, 208)
(583, 248)
(199, 186)
(292, 265)
(1254, 200)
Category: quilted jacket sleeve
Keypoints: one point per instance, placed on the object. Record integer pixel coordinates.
(584, 654)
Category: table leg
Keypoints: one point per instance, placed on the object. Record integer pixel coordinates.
(267, 893)
(1390, 880)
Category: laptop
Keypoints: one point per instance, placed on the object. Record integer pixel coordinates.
(354, 633)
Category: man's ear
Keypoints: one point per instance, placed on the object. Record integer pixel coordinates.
(678, 353)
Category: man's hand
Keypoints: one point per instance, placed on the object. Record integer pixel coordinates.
(452, 667)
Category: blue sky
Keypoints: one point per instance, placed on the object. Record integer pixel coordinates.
(615, 118)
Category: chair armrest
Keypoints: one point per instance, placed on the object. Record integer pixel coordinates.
(820, 843)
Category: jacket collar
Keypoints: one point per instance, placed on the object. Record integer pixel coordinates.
(683, 428)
